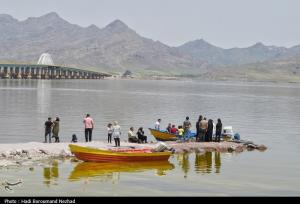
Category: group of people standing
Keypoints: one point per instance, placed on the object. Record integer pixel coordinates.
(205, 129)
(52, 129)
(114, 130)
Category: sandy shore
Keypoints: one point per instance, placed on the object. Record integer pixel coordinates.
(28, 153)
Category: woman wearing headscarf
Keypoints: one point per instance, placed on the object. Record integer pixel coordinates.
(55, 129)
(116, 132)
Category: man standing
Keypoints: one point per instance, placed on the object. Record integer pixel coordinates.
(48, 129)
(186, 126)
(203, 128)
(157, 124)
(89, 126)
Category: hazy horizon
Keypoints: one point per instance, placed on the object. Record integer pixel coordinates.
(224, 24)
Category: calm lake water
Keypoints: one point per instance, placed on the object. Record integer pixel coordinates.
(266, 113)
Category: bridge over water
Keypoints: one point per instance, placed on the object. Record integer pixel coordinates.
(42, 71)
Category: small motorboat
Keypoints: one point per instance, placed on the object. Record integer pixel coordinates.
(118, 155)
(163, 135)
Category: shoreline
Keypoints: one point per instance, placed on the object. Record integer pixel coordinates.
(29, 153)
(182, 78)
(195, 78)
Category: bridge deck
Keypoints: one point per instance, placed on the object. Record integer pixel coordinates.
(37, 71)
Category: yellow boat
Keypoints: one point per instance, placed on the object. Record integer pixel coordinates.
(93, 169)
(163, 136)
(100, 155)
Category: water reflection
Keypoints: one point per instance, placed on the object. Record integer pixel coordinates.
(112, 171)
(203, 162)
(51, 173)
(183, 161)
(43, 96)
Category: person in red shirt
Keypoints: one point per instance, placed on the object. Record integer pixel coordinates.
(174, 129)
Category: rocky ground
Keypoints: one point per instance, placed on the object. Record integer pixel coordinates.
(29, 153)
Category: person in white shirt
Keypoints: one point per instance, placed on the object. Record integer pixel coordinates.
(157, 124)
(131, 136)
(116, 132)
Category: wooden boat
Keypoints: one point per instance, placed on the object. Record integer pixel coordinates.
(98, 155)
(163, 136)
(96, 169)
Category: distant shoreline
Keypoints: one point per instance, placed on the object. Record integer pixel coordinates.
(177, 78)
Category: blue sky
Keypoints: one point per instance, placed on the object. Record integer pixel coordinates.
(224, 23)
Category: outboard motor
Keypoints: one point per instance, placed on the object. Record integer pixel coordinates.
(160, 147)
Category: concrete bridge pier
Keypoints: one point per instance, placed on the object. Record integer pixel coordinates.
(5, 73)
(11, 72)
(77, 75)
(38, 73)
(27, 73)
(17, 73)
(69, 74)
(52, 75)
(42, 73)
(58, 73)
(46, 73)
(30, 73)
(72, 74)
(22, 72)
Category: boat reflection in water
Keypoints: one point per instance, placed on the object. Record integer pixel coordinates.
(204, 163)
(112, 170)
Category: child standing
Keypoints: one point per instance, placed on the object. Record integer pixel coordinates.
(180, 131)
(109, 132)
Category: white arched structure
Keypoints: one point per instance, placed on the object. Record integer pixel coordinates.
(45, 59)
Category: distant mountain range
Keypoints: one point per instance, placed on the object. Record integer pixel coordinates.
(117, 48)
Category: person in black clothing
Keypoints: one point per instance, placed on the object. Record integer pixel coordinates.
(55, 129)
(74, 138)
(218, 131)
(48, 129)
(198, 128)
(209, 132)
(169, 128)
(140, 133)
(109, 132)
